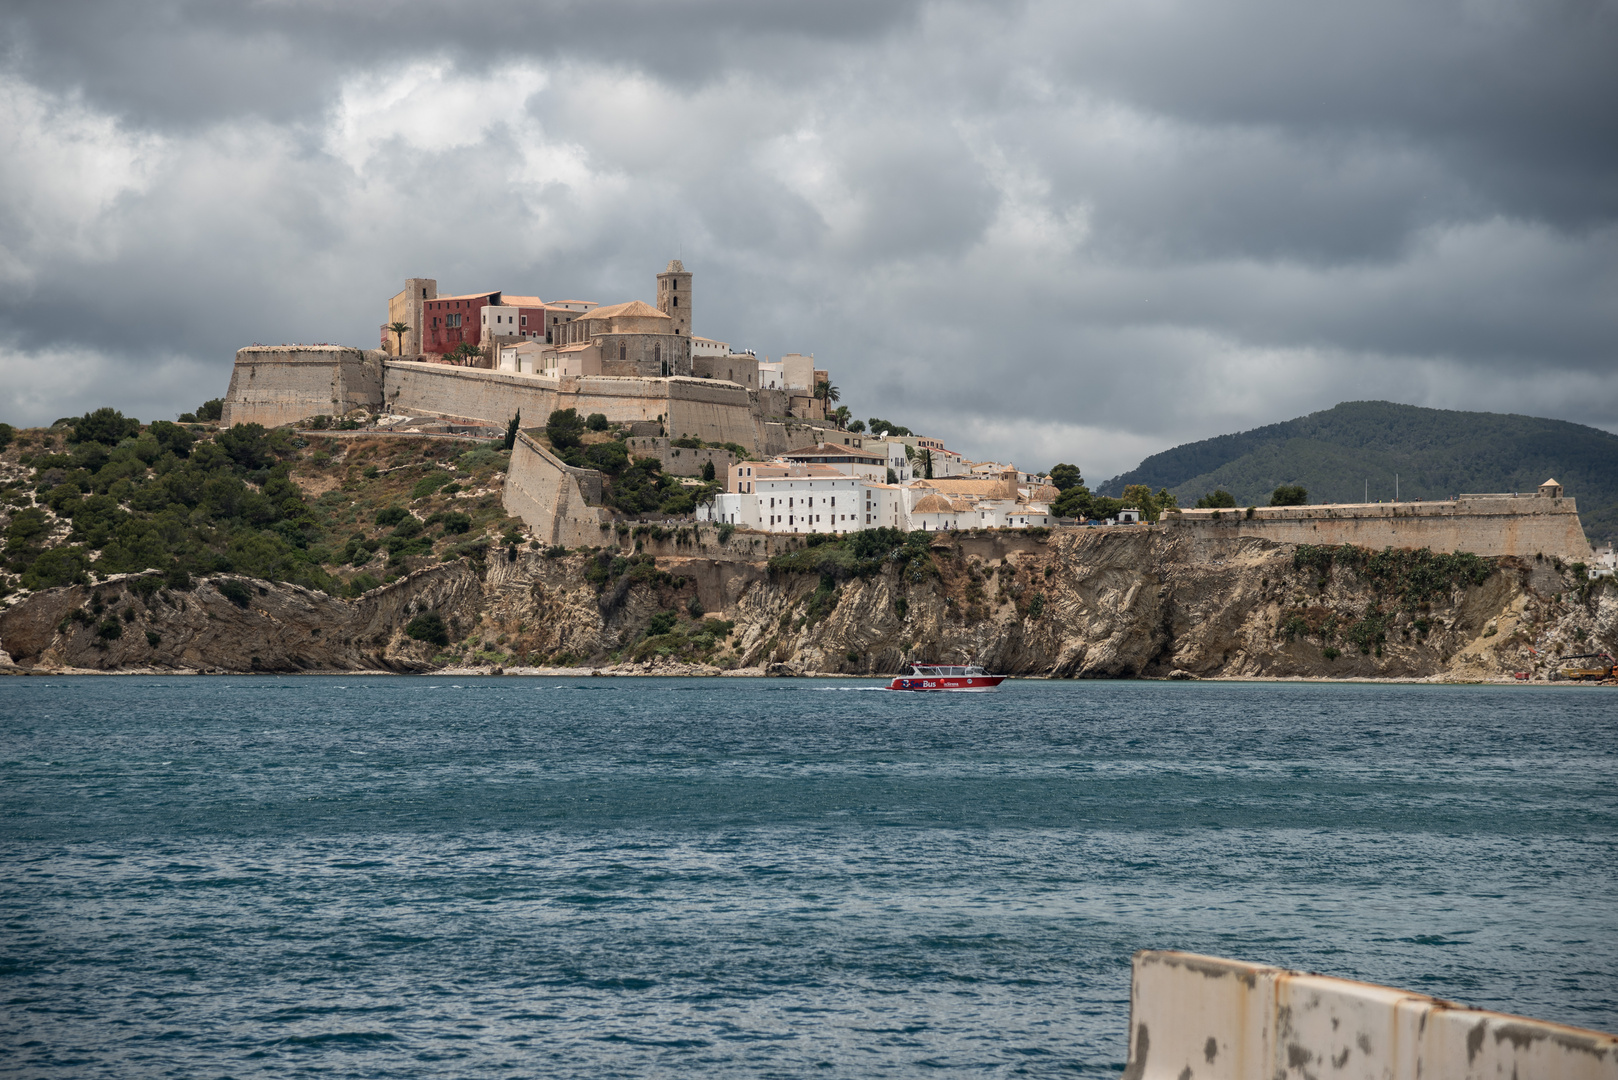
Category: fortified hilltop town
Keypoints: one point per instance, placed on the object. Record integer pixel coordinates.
(470, 362)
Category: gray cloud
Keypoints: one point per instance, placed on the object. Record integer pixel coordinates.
(1043, 231)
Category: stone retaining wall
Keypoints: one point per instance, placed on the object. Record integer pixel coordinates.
(1524, 526)
(553, 499)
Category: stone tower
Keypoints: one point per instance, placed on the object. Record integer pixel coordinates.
(674, 296)
(408, 307)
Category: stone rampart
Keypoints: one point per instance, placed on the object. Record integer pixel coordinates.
(467, 393)
(712, 411)
(1205, 1018)
(1525, 525)
(680, 460)
(285, 384)
(553, 499)
(281, 384)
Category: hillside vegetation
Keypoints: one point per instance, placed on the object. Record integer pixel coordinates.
(104, 494)
(1436, 453)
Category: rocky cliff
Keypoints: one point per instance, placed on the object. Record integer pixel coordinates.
(1075, 603)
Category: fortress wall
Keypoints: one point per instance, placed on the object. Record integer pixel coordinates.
(550, 497)
(1525, 526)
(712, 411)
(680, 460)
(275, 385)
(467, 393)
(1216, 1019)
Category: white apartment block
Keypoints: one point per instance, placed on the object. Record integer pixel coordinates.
(790, 499)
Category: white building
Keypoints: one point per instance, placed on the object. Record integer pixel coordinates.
(508, 321)
(850, 460)
(898, 461)
(800, 499)
(527, 357)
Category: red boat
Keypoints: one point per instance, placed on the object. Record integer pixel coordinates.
(961, 677)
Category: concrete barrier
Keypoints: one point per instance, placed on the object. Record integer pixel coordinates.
(1205, 1018)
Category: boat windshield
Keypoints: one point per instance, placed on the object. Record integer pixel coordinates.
(939, 671)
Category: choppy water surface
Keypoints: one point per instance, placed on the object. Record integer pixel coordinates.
(430, 877)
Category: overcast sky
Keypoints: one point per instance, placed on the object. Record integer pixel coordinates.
(1081, 231)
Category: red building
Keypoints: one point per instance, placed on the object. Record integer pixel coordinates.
(450, 321)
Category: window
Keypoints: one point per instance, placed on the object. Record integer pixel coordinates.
(676, 301)
(623, 351)
(525, 320)
(657, 354)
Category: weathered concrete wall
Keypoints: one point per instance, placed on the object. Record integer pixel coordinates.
(553, 498)
(274, 385)
(1204, 1018)
(1525, 526)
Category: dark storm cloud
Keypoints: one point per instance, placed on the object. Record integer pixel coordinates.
(1046, 230)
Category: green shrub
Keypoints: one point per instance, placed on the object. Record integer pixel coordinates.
(694, 608)
(57, 567)
(391, 515)
(596, 421)
(564, 428)
(1289, 495)
(453, 521)
(661, 623)
(410, 526)
(107, 426)
(153, 638)
(7, 432)
(360, 584)
(234, 591)
(212, 409)
(430, 483)
(1036, 605)
(429, 627)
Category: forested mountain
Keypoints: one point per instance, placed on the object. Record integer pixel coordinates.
(1435, 453)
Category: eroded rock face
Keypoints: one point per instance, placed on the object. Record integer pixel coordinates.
(1076, 604)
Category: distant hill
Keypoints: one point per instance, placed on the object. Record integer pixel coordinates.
(1435, 452)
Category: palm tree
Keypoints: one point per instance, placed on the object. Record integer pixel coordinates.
(827, 392)
(841, 416)
(399, 330)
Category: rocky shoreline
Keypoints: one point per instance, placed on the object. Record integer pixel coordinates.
(1069, 604)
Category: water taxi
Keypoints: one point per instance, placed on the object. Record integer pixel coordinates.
(957, 677)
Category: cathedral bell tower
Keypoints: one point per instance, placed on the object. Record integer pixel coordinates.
(674, 296)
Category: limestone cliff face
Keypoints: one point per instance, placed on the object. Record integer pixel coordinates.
(1085, 603)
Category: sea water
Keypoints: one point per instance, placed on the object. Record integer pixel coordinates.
(433, 876)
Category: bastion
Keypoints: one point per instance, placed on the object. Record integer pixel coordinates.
(275, 385)
(1523, 525)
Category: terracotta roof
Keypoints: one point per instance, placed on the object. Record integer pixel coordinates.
(834, 450)
(933, 504)
(980, 487)
(636, 309)
(1045, 493)
(466, 296)
(521, 301)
